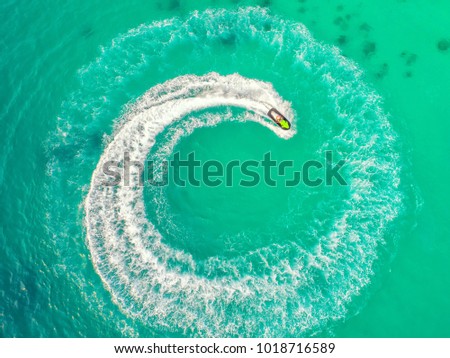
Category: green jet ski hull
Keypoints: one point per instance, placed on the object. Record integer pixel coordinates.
(279, 119)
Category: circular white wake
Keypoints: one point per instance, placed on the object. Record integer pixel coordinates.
(127, 249)
(286, 288)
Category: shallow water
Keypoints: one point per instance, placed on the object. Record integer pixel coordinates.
(367, 81)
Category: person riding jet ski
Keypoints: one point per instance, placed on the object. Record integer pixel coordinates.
(279, 119)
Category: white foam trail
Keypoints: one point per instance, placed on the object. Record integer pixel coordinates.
(120, 237)
(304, 288)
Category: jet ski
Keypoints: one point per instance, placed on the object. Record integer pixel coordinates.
(279, 119)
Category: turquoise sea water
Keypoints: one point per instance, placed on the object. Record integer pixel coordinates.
(368, 81)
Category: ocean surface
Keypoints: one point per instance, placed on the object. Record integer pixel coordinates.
(85, 83)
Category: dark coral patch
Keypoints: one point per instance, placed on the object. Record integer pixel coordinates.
(87, 32)
(265, 3)
(369, 48)
(341, 22)
(174, 5)
(342, 40)
(383, 71)
(365, 27)
(411, 59)
(443, 45)
(338, 20)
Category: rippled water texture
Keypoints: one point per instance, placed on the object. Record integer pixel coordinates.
(329, 239)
